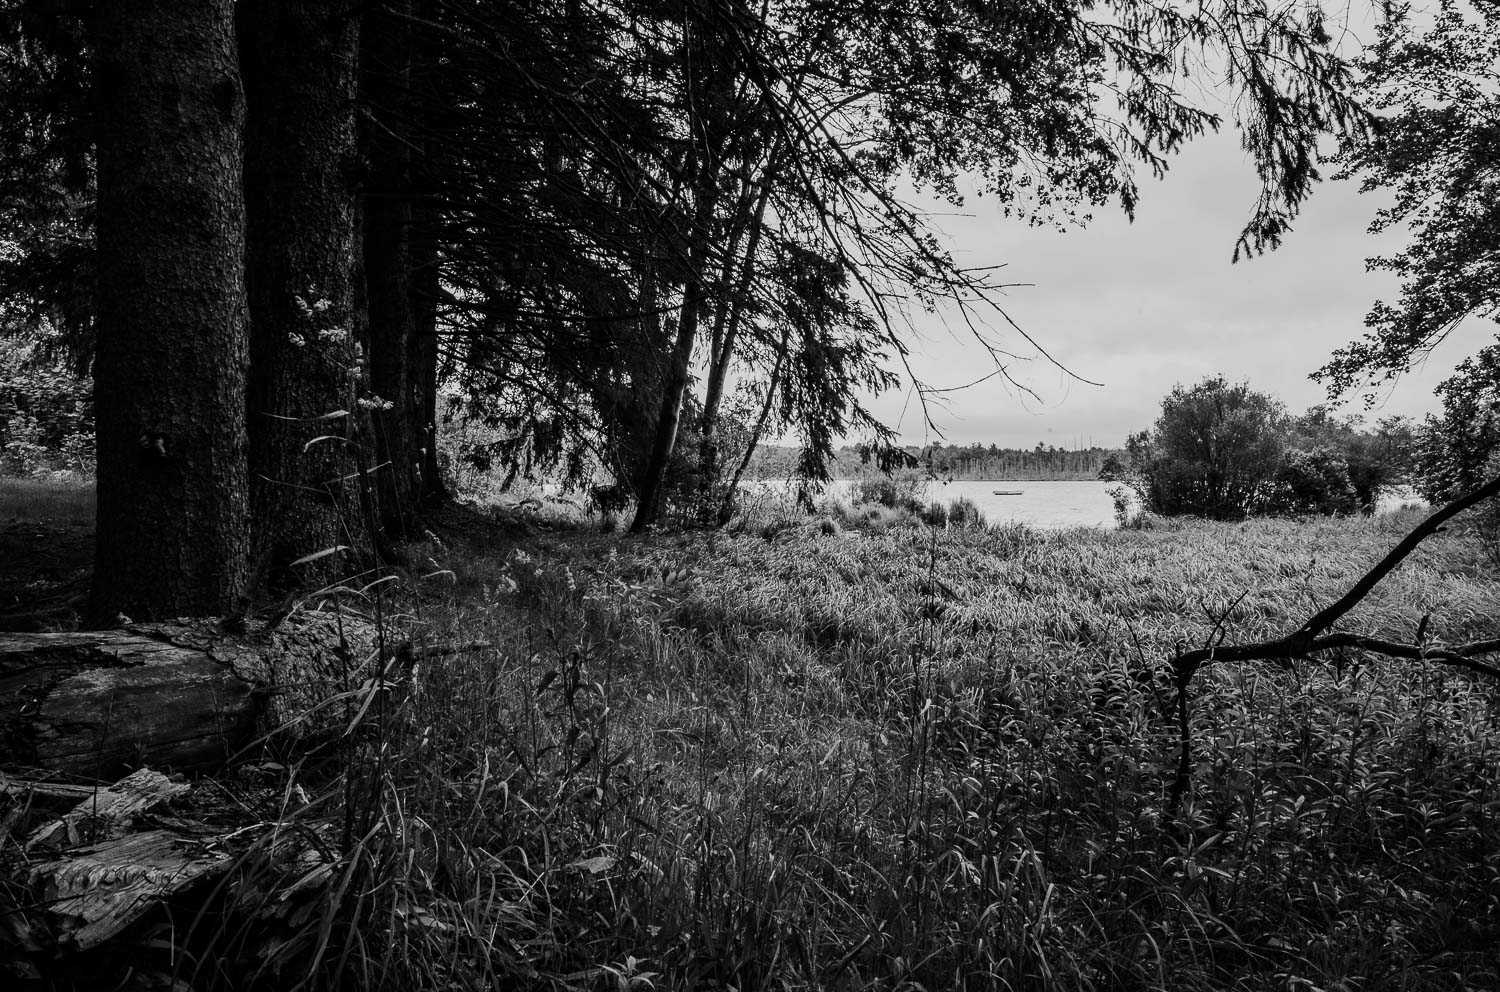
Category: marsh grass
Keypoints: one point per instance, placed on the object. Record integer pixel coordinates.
(899, 758)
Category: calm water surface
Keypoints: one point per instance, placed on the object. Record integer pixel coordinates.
(1040, 504)
(1049, 504)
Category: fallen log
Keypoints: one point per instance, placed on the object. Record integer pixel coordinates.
(91, 873)
(185, 696)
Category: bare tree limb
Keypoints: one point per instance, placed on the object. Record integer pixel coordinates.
(1310, 636)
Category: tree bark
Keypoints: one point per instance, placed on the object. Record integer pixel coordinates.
(385, 89)
(674, 389)
(298, 60)
(426, 268)
(169, 376)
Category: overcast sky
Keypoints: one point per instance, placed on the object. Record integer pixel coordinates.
(1140, 307)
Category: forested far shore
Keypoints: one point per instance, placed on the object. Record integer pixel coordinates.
(964, 462)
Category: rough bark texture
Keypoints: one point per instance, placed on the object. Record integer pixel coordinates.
(169, 376)
(184, 696)
(298, 61)
(385, 82)
(426, 285)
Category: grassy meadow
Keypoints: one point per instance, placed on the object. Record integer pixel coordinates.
(858, 752)
(62, 501)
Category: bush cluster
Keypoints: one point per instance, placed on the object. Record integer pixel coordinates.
(46, 415)
(1224, 451)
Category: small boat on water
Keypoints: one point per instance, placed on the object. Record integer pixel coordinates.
(1009, 492)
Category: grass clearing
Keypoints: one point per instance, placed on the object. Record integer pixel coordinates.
(66, 500)
(804, 757)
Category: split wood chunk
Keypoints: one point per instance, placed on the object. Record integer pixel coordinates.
(106, 814)
(96, 892)
(96, 877)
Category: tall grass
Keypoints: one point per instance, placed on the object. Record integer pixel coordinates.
(898, 760)
(64, 500)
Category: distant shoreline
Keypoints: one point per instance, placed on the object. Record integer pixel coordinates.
(1037, 478)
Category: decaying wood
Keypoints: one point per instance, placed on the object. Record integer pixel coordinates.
(107, 813)
(98, 891)
(17, 784)
(88, 876)
(184, 695)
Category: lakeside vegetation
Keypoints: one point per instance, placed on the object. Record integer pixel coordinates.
(879, 747)
(856, 752)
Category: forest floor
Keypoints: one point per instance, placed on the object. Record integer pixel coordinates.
(854, 751)
(46, 553)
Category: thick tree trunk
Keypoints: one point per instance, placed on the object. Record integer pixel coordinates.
(426, 280)
(169, 376)
(385, 82)
(298, 60)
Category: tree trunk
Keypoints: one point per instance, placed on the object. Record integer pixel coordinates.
(298, 60)
(674, 384)
(426, 282)
(674, 389)
(726, 331)
(385, 57)
(169, 376)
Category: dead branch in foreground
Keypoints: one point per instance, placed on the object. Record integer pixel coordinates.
(1314, 634)
(1310, 636)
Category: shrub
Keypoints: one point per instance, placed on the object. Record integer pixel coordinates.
(1315, 481)
(902, 492)
(1213, 452)
(935, 515)
(46, 415)
(964, 512)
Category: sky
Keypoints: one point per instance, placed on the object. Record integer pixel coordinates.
(1142, 306)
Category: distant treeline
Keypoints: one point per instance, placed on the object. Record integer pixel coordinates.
(952, 461)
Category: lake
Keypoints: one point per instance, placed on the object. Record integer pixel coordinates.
(1051, 504)
(1040, 504)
